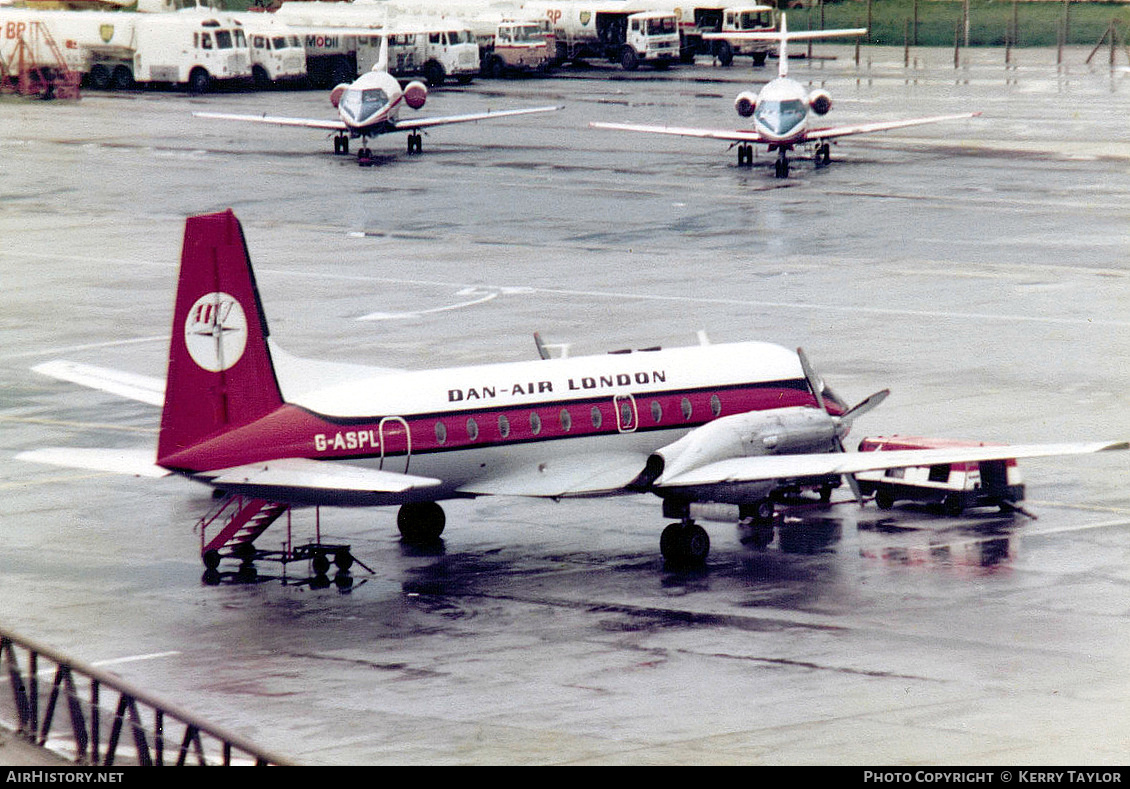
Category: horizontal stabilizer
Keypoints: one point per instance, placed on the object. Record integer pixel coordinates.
(138, 462)
(135, 387)
(560, 477)
(305, 481)
(776, 467)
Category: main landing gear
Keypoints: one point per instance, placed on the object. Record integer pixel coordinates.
(341, 144)
(745, 155)
(420, 523)
(823, 154)
(781, 166)
(685, 544)
(415, 143)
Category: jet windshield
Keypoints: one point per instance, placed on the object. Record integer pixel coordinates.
(780, 117)
(362, 105)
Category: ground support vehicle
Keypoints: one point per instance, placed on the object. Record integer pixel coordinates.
(194, 47)
(277, 52)
(616, 32)
(955, 487)
(511, 45)
(731, 19)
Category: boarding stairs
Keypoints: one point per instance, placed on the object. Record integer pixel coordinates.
(239, 519)
(36, 67)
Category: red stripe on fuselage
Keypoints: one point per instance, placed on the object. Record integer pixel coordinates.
(292, 431)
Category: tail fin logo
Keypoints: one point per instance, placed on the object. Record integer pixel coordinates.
(215, 331)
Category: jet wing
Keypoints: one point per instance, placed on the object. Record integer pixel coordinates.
(562, 477)
(774, 467)
(306, 481)
(135, 387)
(275, 120)
(734, 135)
(878, 126)
(422, 123)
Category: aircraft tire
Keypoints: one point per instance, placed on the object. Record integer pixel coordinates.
(420, 523)
(684, 544)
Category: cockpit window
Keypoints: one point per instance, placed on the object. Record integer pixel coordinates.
(781, 117)
(361, 105)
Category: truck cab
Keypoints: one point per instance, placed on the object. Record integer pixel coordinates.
(745, 19)
(517, 45)
(651, 37)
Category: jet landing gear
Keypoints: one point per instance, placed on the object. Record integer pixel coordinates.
(745, 155)
(781, 166)
(415, 143)
(823, 156)
(758, 516)
(341, 144)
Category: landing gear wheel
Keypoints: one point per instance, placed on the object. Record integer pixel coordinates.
(953, 506)
(341, 144)
(320, 563)
(823, 154)
(781, 169)
(420, 523)
(762, 535)
(684, 544)
(745, 155)
(415, 143)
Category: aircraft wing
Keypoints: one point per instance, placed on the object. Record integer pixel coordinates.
(735, 135)
(561, 477)
(306, 481)
(138, 462)
(422, 123)
(135, 387)
(275, 120)
(774, 467)
(868, 128)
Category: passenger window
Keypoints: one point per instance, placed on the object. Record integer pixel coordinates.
(441, 433)
(535, 423)
(597, 417)
(685, 405)
(715, 405)
(472, 429)
(503, 425)
(566, 420)
(656, 412)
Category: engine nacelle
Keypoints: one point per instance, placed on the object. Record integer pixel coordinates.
(336, 93)
(777, 432)
(745, 103)
(415, 94)
(820, 101)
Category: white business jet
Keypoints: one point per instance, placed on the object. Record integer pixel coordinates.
(370, 106)
(733, 423)
(783, 111)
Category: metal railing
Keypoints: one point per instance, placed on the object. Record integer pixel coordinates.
(195, 741)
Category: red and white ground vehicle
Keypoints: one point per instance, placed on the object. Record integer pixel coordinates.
(954, 486)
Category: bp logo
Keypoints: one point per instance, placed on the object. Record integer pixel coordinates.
(215, 331)
(585, 17)
(107, 32)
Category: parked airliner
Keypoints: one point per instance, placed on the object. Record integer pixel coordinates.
(734, 423)
(370, 106)
(783, 110)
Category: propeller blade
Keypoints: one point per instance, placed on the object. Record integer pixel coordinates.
(861, 408)
(814, 383)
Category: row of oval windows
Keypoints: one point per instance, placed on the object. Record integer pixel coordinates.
(627, 418)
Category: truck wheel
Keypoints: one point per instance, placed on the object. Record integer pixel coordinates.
(629, 60)
(99, 77)
(884, 500)
(433, 74)
(758, 59)
(199, 81)
(260, 76)
(122, 78)
(724, 53)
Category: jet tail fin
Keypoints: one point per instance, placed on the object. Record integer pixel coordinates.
(220, 374)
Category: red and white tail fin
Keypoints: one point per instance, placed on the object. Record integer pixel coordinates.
(220, 373)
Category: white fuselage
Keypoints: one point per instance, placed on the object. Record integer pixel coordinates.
(370, 103)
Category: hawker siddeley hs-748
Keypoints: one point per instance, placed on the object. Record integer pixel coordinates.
(734, 423)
